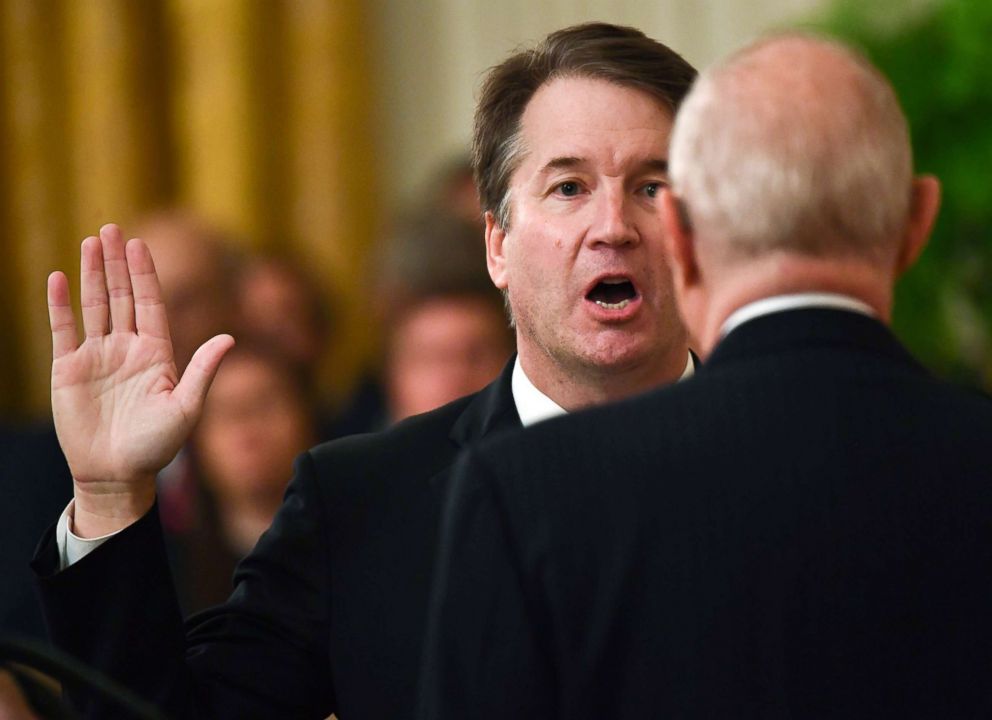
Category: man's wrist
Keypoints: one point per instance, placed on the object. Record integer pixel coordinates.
(104, 513)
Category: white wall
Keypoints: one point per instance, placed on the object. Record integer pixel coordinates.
(429, 56)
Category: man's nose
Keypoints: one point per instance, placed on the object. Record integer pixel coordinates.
(612, 223)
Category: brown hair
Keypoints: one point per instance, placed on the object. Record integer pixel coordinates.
(618, 54)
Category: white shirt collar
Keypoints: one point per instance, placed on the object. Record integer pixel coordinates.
(779, 303)
(534, 406)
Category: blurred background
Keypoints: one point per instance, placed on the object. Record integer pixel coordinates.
(307, 127)
(299, 169)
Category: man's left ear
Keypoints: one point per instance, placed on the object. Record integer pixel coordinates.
(924, 204)
(495, 256)
(679, 240)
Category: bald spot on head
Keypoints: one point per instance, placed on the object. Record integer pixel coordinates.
(795, 144)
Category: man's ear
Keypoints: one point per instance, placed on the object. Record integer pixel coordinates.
(923, 207)
(495, 259)
(679, 240)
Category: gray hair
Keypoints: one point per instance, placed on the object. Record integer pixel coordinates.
(795, 144)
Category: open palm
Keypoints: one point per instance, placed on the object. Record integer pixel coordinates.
(121, 411)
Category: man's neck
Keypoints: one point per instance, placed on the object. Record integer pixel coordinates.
(789, 275)
(574, 388)
(794, 301)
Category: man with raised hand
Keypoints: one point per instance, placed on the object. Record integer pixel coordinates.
(570, 152)
(801, 529)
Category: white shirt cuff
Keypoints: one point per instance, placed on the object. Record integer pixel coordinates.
(72, 548)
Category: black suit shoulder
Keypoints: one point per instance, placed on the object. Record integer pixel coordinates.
(419, 446)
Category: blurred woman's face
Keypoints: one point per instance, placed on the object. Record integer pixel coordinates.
(252, 428)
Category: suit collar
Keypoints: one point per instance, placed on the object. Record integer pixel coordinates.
(491, 409)
(785, 331)
(794, 301)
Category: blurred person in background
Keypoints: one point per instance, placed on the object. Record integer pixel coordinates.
(282, 307)
(256, 419)
(446, 332)
(443, 345)
(456, 193)
(195, 263)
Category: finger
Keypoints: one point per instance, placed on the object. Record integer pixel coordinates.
(192, 388)
(93, 290)
(149, 309)
(118, 280)
(60, 317)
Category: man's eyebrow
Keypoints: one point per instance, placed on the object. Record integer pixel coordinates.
(562, 163)
(567, 162)
(655, 165)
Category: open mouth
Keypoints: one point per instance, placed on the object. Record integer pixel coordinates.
(613, 293)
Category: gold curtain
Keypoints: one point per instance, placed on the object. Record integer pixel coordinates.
(253, 113)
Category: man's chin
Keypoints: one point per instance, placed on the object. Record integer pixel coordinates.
(618, 351)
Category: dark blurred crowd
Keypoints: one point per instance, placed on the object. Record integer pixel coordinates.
(444, 334)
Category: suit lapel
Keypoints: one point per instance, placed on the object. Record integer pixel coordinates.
(491, 410)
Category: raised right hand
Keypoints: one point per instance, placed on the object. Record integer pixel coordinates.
(121, 411)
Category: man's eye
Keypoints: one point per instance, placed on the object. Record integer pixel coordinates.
(651, 189)
(569, 188)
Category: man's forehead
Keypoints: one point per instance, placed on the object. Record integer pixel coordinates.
(585, 122)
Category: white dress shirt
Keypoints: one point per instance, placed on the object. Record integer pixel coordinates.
(534, 406)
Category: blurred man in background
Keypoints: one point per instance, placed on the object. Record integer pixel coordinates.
(802, 529)
(446, 334)
(447, 343)
(280, 305)
(195, 263)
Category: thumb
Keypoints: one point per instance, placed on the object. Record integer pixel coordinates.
(192, 388)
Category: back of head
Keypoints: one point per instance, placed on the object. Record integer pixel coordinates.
(618, 54)
(795, 145)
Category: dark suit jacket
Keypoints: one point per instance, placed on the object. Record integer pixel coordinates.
(35, 485)
(328, 610)
(802, 530)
